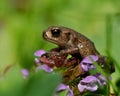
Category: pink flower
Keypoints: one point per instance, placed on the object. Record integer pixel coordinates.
(63, 87)
(25, 73)
(91, 83)
(45, 68)
(87, 62)
(39, 53)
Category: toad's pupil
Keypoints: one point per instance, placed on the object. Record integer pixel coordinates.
(56, 32)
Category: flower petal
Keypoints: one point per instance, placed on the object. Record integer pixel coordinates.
(61, 87)
(65, 87)
(93, 88)
(38, 53)
(85, 67)
(89, 79)
(88, 59)
(70, 92)
(102, 80)
(87, 63)
(89, 83)
(81, 87)
(37, 61)
(25, 72)
(45, 68)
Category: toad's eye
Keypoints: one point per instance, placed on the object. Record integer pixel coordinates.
(56, 32)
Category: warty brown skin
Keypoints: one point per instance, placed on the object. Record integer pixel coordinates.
(69, 41)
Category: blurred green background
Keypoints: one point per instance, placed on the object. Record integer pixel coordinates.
(23, 21)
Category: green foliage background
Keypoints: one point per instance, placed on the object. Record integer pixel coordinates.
(23, 21)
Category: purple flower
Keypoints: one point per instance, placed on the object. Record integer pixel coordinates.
(101, 79)
(45, 68)
(88, 83)
(37, 61)
(91, 83)
(87, 62)
(62, 87)
(39, 53)
(25, 73)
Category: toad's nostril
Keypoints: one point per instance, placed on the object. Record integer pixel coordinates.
(47, 34)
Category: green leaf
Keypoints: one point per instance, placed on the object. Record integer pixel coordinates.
(42, 84)
(63, 93)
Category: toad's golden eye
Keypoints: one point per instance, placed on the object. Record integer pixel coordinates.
(56, 32)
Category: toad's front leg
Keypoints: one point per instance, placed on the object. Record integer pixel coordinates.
(71, 50)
